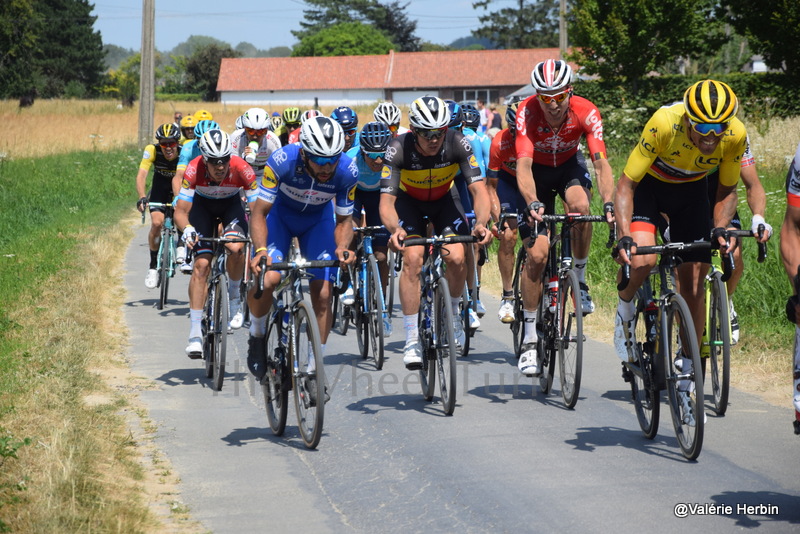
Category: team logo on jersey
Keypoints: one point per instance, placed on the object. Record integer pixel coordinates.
(254, 185)
(386, 171)
(351, 195)
(473, 162)
(147, 155)
(185, 184)
(465, 143)
(279, 156)
(390, 152)
(647, 146)
(269, 181)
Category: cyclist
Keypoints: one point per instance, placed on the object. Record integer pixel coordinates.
(187, 128)
(790, 253)
(348, 120)
(303, 185)
(290, 121)
(162, 157)
(255, 129)
(369, 157)
(666, 173)
(389, 114)
(417, 181)
(203, 115)
(550, 125)
(502, 175)
(277, 122)
(210, 193)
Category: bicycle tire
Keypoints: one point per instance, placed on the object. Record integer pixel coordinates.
(518, 325)
(163, 269)
(221, 311)
(677, 330)
(342, 314)
(275, 386)
(392, 275)
(644, 390)
(208, 332)
(446, 352)
(310, 415)
(359, 316)
(464, 313)
(545, 346)
(375, 312)
(427, 373)
(569, 325)
(719, 349)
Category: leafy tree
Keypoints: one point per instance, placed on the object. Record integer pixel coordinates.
(276, 51)
(246, 49)
(345, 39)
(195, 43)
(202, 69)
(123, 82)
(472, 43)
(427, 46)
(773, 29)
(171, 77)
(115, 55)
(389, 18)
(625, 39)
(19, 36)
(532, 24)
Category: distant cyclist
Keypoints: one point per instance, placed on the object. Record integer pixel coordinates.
(389, 114)
(348, 120)
(187, 128)
(255, 142)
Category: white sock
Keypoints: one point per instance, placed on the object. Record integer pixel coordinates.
(626, 309)
(579, 264)
(410, 326)
(258, 326)
(455, 302)
(196, 319)
(233, 289)
(530, 327)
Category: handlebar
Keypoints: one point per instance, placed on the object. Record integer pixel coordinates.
(666, 248)
(572, 218)
(439, 240)
(369, 230)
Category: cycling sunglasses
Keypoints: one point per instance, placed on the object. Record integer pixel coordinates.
(374, 155)
(217, 161)
(350, 133)
(168, 144)
(557, 98)
(394, 127)
(319, 160)
(256, 133)
(430, 135)
(706, 128)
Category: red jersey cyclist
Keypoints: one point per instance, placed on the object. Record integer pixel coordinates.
(550, 125)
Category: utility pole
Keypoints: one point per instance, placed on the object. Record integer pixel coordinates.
(147, 78)
(562, 28)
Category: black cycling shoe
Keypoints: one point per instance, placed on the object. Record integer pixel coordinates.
(311, 388)
(256, 357)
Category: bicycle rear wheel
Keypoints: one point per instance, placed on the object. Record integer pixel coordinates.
(427, 373)
(375, 315)
(164, 269)
(569, 326)
(644, 391)
(445, 343)
(545, 346)
(220, 323)
(518, 326)
(342, 317)
(684, 379)
(309, 387)
(719, 338)
(360, 315)
(275, 385)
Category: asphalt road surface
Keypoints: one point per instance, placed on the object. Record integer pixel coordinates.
(509, 460)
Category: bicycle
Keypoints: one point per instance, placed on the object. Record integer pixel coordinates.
(665, 324)
(559, 321)
(470, 301)
(292, 343)
(435, 320)
(342, 313)
(167, 253)
(715, 345)
(368, 309)
(216, 309)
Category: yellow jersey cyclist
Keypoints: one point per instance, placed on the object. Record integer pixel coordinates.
(187, 128)
(417, 182)
(163, 158)
(667, 173)
(289, 122)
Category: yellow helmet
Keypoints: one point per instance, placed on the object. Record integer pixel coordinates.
(291, 116)
(202, 115)
(188, 122)
(711, 102)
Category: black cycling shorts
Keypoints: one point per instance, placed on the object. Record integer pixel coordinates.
(446, 214)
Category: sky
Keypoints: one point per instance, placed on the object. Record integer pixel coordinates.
(266, 25)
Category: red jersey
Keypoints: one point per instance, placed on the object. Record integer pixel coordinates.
(503, 154)
(537, 140)
(196, 179)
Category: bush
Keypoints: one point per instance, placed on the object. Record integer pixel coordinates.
(179, 97)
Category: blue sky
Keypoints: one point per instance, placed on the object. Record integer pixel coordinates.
(267, 24)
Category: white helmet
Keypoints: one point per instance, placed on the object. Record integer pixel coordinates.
(321, 136)
(387, 113)
(551, 75)
(429, 113)
(239, 122)
(309, 113)
(215, 144)
(256, 118)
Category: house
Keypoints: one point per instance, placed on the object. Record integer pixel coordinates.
(400, 77)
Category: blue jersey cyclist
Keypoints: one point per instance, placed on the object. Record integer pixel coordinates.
(303, 185)
(348, 120)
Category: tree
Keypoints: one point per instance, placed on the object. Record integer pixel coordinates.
(202, 69)
(124, 81)
(532, 24)
(773, 29)
(195, 43)
(345, 39)
(115, 55)
(19, 36)
(626, 39)
(389, 19)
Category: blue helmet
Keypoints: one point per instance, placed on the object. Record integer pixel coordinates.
(456, 115)
(472, 117)
(346, 117)
(375, 137)
(204, 126)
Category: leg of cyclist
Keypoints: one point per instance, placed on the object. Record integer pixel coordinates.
(643, 234)
(509, 201)
(235, 270)
(577, 198)
(154, 240)
(531, 289)
(198, 288)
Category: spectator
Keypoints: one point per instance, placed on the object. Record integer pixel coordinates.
(495, 122)
(484, 115)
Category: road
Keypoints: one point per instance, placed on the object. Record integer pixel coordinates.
(509, 460)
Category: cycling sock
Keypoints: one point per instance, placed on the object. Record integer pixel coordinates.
(685, 365)
(626, 309)
(410, 325)
(195, 318)
(508, 295)
(530, 327)
(233, 289)
(579, 264)
(258, 326)
(153, 259)
(455, 302)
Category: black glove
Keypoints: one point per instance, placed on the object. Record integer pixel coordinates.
(535, 206)
(716, 233)
(608, 207)
(140, 204)
(624, 242)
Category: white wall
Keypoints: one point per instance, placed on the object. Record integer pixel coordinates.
(402, 98)
(302, 98)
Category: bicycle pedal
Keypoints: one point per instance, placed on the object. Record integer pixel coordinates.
(414, 366)
(627, 376)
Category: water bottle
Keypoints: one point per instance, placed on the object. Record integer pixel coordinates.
(552, 293)
(251, 157)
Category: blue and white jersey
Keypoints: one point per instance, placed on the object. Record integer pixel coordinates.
(368, 180)
(287, 183)
(476, 143)
(190, 150)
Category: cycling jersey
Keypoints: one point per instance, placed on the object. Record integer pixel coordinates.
(537, 140)
(793, 181)
(503, 157)
(666, 152)
(476, 141)
(428, 178)
(368, 180)
(269, 144)
(294, 137)
(161, 188)
(713, 182)
(189, 151)
(197, 182)
(287, 182)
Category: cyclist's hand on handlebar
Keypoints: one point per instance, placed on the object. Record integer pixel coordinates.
(189, 236)
(608, 210)
(141, 204)
(726, 242)
(396, 239)
(766, 232)
(255, 261)
(620, 252)
(483, 234)
(345, 255)
(535, 211)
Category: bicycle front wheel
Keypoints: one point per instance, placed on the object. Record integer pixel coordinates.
(360, 312)
(375, 314)
(569, 325)
(684, 379)
(275, 385)
(644, 390)
(164, 269)
(445, 343)
(427, 373)
(464, 313)
(719, 344)
(518, 326)
(308, 375)
(391, 281)
(220, 322)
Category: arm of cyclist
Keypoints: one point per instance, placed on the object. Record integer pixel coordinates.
(723, 211)
(258, 232)
(605, 184)
(481, 203)
(343, 235)
(623, 201)
(181, 216)
(391, 221)
(756, 201)
(141, 189)
(527, 187)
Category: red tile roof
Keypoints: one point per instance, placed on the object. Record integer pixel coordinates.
(401, 70)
